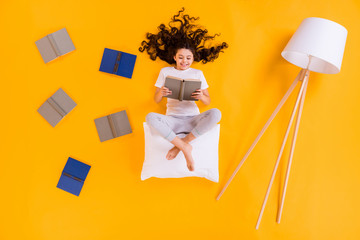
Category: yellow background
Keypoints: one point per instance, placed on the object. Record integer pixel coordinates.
(246, 83)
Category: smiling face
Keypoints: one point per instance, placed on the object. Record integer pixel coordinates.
(183, 58)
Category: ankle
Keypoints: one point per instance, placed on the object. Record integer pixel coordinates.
(179, 143)
(186, 147)
(188, 138)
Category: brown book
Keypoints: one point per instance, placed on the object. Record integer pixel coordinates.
(113, 126)
(56, 107)
(182, 88)
(54, 45)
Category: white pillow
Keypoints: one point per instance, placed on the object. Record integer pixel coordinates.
(205, 153)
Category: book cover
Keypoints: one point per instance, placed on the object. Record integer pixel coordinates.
(118, 63)
(113, 126)
(182, 88)
(56, 107)
(54, 45)
(73, 176)
(190, 86)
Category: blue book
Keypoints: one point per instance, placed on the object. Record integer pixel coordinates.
(73, 176)
(118, 63)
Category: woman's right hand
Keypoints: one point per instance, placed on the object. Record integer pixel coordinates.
(165, 91)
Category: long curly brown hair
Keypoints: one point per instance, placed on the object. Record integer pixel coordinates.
(181, 32)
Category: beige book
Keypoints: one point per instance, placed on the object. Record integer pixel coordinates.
(56, 107)
(182, 88)
(113, 126)
(54, 45)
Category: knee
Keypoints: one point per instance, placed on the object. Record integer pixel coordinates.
(150, 117)
(215, 114)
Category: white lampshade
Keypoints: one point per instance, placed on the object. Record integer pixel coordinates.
(323, 40)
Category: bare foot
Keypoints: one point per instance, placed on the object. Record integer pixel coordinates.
(186, 148)
(188, 157)
(172, 153)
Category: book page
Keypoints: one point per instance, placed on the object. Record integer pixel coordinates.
(187, 80)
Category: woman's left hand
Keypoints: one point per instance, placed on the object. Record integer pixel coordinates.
(198, 94)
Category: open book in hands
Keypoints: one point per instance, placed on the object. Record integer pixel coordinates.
(182, 88)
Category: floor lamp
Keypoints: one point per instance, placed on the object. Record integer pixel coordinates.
(317, 45)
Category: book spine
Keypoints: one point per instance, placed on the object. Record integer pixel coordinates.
(75, 178)
(181, 93)
(56, 107)
(53, 45)
(116, 66)
(112, 126)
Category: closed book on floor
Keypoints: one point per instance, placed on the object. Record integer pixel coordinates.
(182, 88)
(113, 126)
(56, 107)
(73, 176)
(118, 63)
(54, 45)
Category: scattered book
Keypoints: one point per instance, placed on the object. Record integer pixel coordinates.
(54, 45)
(56, 107)
(73, 176)
(182, 88)
(118, 63)
(113, 126)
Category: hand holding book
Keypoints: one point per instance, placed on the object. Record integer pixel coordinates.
(198, 94)
(165, 91)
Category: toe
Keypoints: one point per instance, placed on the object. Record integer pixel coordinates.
(190, 167)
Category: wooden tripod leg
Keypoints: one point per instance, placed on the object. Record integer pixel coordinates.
(292, 150)
(303, 85)
(283, 100)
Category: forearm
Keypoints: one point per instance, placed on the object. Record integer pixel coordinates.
(158, 97)
(205, 99)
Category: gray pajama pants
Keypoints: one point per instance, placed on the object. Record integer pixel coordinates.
(170, 126)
